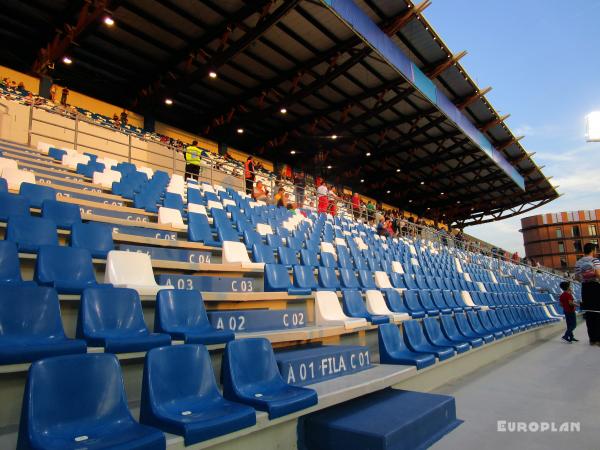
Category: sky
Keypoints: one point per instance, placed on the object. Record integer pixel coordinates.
(541, 58)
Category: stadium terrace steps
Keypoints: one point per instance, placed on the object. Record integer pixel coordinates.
(405, 420)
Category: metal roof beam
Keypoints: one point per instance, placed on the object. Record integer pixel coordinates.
(436, 71)
(462, 104)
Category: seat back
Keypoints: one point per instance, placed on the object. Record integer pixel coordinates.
(249, 363)
(10, 271)
(173, 373)
(394, 301)
(328, 279)
(91, 391)
(432, 329)
(63, 214)
(37, 193)
(376, 303)
(353, 304)
(328, 259)
(412, 301)
(235, 253)
(463, 324)
(276, 278)
(262, 253)
(309, 258)
(3, 186)
(30, 311)
(106, 309)
(348, 279)
(64, 264)
(390, 339)
(198, 228)
(170, 216)
(366, 279)
(131, 268)
(413, 334)
(287, 256)
(29, 233)
(425, 298)
(449, 326)
(382, 280)
(304, 277)
(179, 310)
(93, 236)
(15, 177)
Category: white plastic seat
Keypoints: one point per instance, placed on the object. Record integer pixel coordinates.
(360, 243)
(196, 208)
(108, 163)
(376, 305)
(106, 178)
(6, 163)
(214, 204)
(236, 253)
(208, 188)
(328, 312)
(44, 147)
(340, 241)
(227, 202)
(131, 270)
(14, 177)
(382, 280)
(176, 189)
(171, 217)
(147, 170)
(192, 185)
(71, 160)
(397, 267)
(263, 229)
(177, 179)
(218, 188)
(466, 297)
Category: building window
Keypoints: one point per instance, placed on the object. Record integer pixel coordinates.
(561, 247)
(563, 263)
(559, 233)
(577, 246)
(592, 230)
(575, 231)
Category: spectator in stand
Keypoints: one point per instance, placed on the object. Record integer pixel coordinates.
(249, 174)
(333, 198)
(192, 161)
(123, 118)
(116, 120)
(356, 205)
(64, 95)
(53, 93)
(279, 197)
(370, 211)
(260, 193)
(587, 270)
(516, 258)
(322, 198)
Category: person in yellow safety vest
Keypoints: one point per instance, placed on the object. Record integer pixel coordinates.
(192, 161)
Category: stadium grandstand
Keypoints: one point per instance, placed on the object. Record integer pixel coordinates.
(146, 306)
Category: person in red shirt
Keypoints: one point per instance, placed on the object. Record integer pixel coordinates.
(568, 305)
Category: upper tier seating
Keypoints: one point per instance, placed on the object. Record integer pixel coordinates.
(180, 396)
(250, 375)
(89, 410)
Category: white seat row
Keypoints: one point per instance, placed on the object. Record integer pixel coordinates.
(131, 270)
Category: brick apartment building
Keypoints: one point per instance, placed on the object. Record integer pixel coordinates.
(556, 239)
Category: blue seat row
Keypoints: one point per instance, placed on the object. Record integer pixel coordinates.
(179, 395)
(112, 318)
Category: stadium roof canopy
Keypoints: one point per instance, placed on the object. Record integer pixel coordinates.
(373, 74)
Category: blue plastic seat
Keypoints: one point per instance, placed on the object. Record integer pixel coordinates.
(416, 342)
(328, 260)
(411, 301)
(274, 240)
(428, 306)
(199, 230)
(251, 237)
(263, 253)
(3, 186)
(277, 279)
(366, 279)
(10, 271)
(452, 302)
(304, 278)
(397, 280)
(409, 282)
(174, 201)
(180, 396)
(30, 233)
(181, 314)
(434, 335)
(497, 323)
(479, 328)
(440, 303)
(65, 215)
(507, 321)
(67, 269)
(309, 258)
(37, 193)
(93, 236)
(112, 318)
(466, 329)
(348, 279)
(327, 279)
(31, 326)
(79, 402)
(251, 376)
(393, 298)
(287, 256)
(488, 325)
(451, 332)
(354, 306)
(392, 349)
